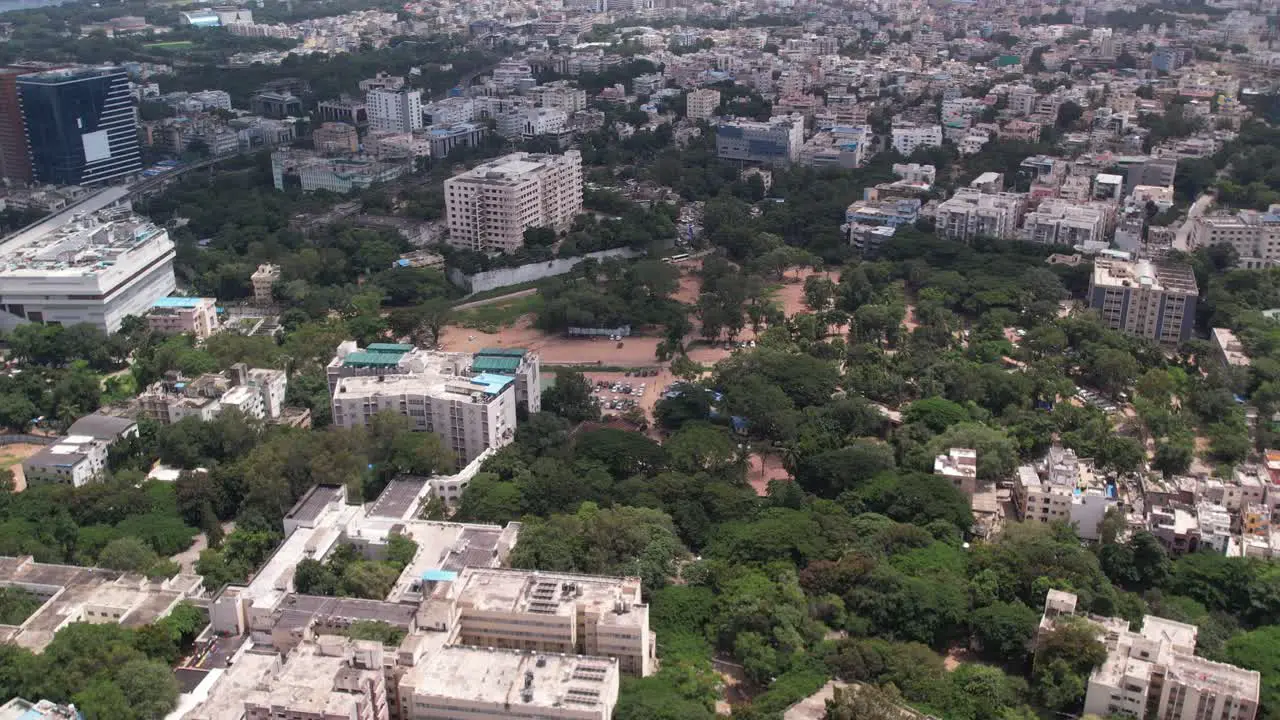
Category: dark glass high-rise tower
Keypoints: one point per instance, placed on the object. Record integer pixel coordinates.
(81, 125)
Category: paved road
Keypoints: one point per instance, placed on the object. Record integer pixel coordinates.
(1181, 240)
(492, 300)
(187, 558)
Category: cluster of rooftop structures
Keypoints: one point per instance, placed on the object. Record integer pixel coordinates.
(496, 642)
(502, 643)
(93, 263)
(256, 392)
(71, 594)
(1064, 488)
(1232, 515)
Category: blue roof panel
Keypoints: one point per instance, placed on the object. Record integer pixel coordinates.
(177, 302)
(494, 384)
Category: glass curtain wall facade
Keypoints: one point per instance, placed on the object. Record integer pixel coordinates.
(81, 125)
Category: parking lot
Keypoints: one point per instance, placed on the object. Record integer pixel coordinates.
(617, 395)
(616, 392)
(1097, 400)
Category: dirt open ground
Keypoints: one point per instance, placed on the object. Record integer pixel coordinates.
(637, 351)
(763, 469)
(11, 457)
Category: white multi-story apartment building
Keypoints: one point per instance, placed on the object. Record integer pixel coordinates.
(511, 75)
(382, 81)
(973, 141)
(915, 172)
(1062, 222)
(451, 111)
(971, 213)
(1023, 99)
(97, 268)
(470, 401)
(471, 414)
(1155, 673)
(561, 96)
(218, 99)
(490, 206)
(397, 111)
(1063, 488)
(702, 103)
(541, 121)
(397, 359)
(909, 136)
(1153, 300)
(1254, 235)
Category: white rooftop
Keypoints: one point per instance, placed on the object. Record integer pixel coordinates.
(482, 675)
(83, 244)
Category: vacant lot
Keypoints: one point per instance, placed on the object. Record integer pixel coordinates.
(11, 457)
(492, 317)
(509, 323)
(764, 468)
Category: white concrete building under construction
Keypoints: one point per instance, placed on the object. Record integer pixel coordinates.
(489, 207)
(93, 267)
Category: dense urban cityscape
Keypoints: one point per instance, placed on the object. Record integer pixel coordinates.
(640, 360)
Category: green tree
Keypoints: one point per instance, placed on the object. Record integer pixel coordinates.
(16, 605)
(1005, 629)
(312, 577)
(1259, 649)
(830, 473)
(149, 687)
(490, 499)
(127, 553)
(368, 580)
(936, 413)
(1121, 454)
(571, 397)
(700, 447)
(997, 453)
(1064, 658)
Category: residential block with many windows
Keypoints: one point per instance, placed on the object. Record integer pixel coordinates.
(489, 207)
(1254, 235)
(1155, 300)
(469, 400)
(1155, 673)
